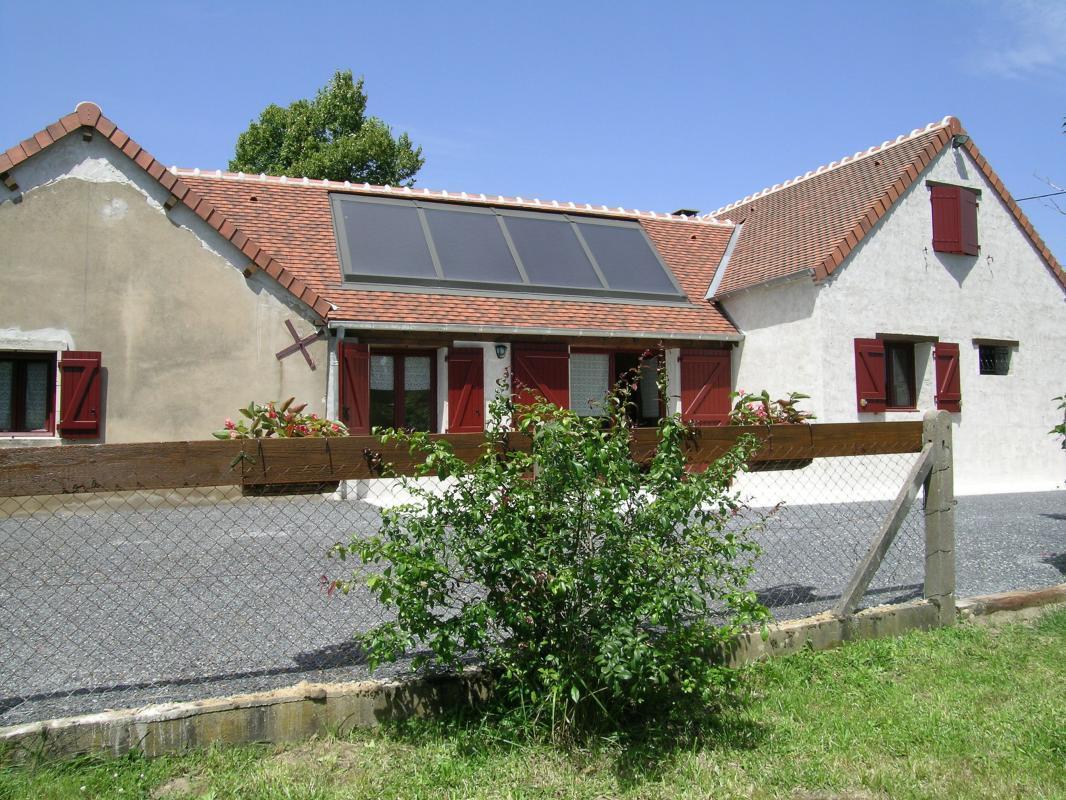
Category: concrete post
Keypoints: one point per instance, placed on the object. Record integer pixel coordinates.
(939, 508)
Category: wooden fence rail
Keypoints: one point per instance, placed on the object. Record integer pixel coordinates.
(244, 462)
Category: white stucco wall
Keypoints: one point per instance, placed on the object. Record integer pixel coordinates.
(895, 284)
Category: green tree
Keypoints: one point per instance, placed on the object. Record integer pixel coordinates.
(328, 137)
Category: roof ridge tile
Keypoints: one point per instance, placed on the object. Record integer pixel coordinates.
(946, 122)
(444, 194)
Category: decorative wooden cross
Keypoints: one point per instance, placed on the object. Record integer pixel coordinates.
(300, 344)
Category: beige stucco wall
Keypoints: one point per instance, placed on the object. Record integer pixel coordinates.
(90, 260)
(894, 283)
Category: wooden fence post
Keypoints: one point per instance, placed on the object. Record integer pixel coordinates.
(939, 508)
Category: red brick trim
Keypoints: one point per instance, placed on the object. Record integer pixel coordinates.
(89, 115)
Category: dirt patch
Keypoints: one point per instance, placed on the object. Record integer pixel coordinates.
(338, 755)
(183, 787)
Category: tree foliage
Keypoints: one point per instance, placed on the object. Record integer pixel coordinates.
(328, 137)
(595, 587)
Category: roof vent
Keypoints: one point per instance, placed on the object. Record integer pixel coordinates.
(686, 212)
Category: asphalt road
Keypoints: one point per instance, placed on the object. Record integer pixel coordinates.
(117, 605)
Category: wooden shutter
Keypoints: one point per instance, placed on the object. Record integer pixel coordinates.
(80, 412)
(948, 383)
(705, 385)
(355, 387)
(466, 390)
(947, 230)
(541, 369)
(968, 244)
(870, 375)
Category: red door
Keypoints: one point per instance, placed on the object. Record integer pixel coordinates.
(705, 386)
(355, 387)
(541, 369)
(466, 390)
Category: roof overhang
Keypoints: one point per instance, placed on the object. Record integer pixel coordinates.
(519, 330)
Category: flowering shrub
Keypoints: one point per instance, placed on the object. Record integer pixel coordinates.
(594, 586)
(758, 409)
(282, 420)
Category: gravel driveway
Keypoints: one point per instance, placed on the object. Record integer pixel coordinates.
(118, 604)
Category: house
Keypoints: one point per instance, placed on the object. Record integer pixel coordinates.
(143, 302)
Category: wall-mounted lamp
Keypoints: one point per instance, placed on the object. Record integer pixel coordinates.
(501, 350)
(959, 139)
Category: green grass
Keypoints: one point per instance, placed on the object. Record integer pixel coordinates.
(966, 712)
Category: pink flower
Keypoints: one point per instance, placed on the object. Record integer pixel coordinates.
(272, 414)
(314, 416)
(335, 426)
(233, 434)
(229, 424)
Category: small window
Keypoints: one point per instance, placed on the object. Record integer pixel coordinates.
(27, 392)
(402, 390)
(899, 375)
(994, 359)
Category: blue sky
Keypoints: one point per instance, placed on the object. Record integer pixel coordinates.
(651, 106)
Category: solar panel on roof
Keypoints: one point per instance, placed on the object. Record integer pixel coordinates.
(394, 241)
(551, 252)
(625, 258)
(471, 246)
(384, 239)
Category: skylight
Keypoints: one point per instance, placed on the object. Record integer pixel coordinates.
(446, 245)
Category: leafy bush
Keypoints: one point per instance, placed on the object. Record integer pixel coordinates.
(594, 586)
(283, 420)
(758, 409)
(1060, 429)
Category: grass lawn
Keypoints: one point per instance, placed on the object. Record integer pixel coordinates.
(967, 712)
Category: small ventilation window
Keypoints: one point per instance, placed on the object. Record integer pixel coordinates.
(994, 359)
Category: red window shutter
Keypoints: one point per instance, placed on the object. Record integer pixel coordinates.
(81, 381)
(870, 375)
(466, 390)
(705, 384)
(543, 370)
(968, 244)
(947, 230)
(948, 382)
(354, 381)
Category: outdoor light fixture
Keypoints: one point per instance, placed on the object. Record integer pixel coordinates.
(959, 139)
(501, 350)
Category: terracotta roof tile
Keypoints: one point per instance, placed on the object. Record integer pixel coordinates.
(812, 223)
(293, 220)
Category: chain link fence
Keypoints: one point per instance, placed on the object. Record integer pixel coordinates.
(120, 599)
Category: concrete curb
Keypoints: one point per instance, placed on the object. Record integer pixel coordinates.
(306, 709)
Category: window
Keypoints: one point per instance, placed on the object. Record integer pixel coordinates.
(954, 219)
(899, 375)
(27, 392)
(592, 374)
(993, 359)
(403, 390)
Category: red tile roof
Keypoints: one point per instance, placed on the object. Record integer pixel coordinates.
(812, 223)
(293, 219)
(88, 115)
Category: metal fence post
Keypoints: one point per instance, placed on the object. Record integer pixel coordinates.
(939, 508)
